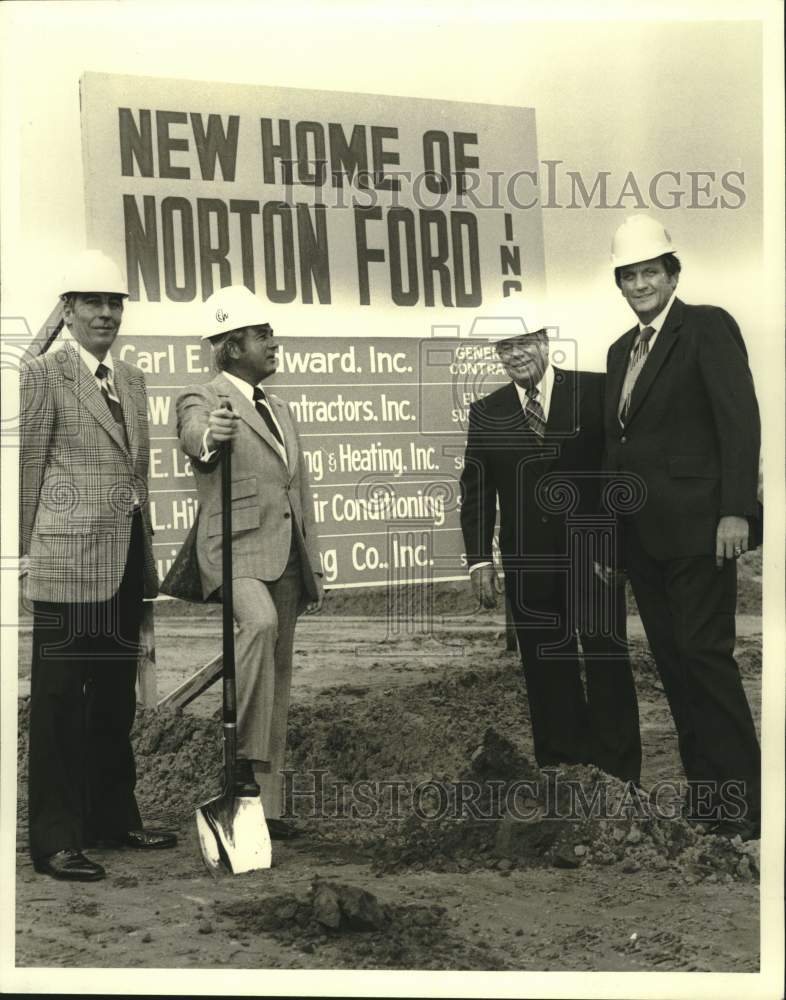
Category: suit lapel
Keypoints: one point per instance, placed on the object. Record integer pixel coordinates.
(561, 421)
(666, 339)
(246, 410)
(127, 397)
(563, 407)
(290, 442)
(88, 395)
(618, 366)
(510, 411)
(512, 415)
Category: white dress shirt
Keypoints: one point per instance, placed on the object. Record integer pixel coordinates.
(544, 388)
(91, 362)
(657, 323)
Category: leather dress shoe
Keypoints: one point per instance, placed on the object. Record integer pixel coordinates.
(70, 866)
(245, 782)
(279, 830)
(140, 840)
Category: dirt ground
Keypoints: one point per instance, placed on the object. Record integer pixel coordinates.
(386, 890)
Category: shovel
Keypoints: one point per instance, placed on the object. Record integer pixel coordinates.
(232, 831)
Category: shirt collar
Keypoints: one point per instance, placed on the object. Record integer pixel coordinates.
(543, 387)
(657, 323)
(90, 361)
(242, 386)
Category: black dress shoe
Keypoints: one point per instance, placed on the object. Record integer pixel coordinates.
(245, 782)
(141, 840)
(149, 840)
(70, 866)
(279, 830)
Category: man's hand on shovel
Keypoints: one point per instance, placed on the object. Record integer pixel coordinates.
(221, 426)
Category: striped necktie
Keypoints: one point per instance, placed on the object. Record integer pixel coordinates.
(533, 413)
(263, 409)
(638, 356)
(108, 391)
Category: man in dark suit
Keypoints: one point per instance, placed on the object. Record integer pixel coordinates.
(535, 446)
(681, 414)
(85, 543)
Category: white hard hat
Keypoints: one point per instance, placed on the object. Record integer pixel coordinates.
(93, 271)
(639, 238)
(508, 318)
(233, 308)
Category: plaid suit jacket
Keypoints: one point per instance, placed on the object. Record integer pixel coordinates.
(79, 481)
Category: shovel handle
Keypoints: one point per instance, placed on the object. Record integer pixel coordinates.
(226, 565)
(229, 708)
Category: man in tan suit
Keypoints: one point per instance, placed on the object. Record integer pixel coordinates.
(85, 541)
(276, 565)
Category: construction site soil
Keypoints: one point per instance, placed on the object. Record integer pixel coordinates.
(428, 838)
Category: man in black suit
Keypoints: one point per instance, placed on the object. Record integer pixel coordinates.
(536, 446)
(681, 414)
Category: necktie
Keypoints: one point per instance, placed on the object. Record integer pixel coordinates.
(637, 358)
(533, 413)
(263, 409)
(108, 391)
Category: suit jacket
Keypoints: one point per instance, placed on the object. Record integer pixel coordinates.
(504, 461)
(79, 480)
(692, 432)
(270, 498)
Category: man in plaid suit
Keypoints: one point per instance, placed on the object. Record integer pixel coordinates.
(85, 540)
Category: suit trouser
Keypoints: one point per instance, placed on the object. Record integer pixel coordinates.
(82, 707)
(687, 607)
(266, 615)
(568, 726)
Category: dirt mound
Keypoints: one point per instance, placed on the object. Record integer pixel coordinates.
(372, 934)
(504, 814)
(436, 775)
(425, 730)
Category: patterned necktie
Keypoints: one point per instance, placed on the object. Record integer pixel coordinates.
(533, 413)
(637, 358)
(108, 391)
(263, 409)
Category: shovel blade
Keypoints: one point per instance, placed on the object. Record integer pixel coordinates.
(233, 835)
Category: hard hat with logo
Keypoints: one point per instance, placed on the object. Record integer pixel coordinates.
(93, 271)
(232, 308)
(639, 238)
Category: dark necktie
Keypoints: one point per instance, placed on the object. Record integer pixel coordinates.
(109, 394)
(263, 409)
(533, 413)
(637, 358)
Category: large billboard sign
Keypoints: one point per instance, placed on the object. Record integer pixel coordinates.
(381, 230)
